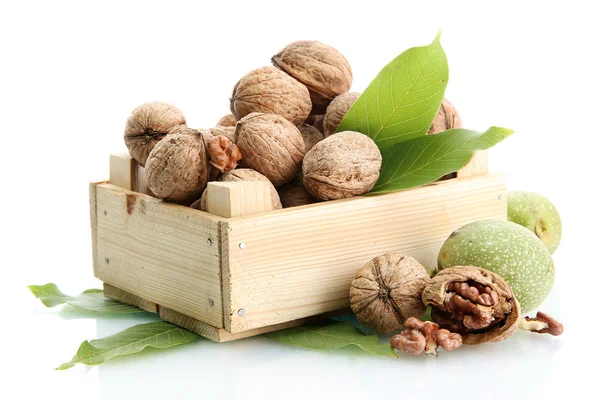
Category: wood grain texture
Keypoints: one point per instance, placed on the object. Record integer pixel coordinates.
(300, 261)
(165, 253)
(234, 199)
(129, 298)
(126, 173)
(477, 166)
(93, 224)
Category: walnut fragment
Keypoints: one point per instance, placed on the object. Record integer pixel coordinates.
(147, 125)
(387, 291)
(474, 302)
(321, 68)
(269, 90)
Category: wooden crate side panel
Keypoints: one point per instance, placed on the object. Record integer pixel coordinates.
(164, 253)
(129, 298)
(288, 265)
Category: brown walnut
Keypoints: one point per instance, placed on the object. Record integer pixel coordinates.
(147, 125)
(425, 336)
(237, 175)
(337, 110)
(542, 323)
(387, 291)
(311, 136)
(227, 120)
(227, 131)
(474, 302)
(271, 145)
(269, 90)
(321, 68)
(446, 118)
(296, 196)
(316, 120)
(343, 165)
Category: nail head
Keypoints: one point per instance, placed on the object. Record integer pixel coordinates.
(242, 245)
(241, 312)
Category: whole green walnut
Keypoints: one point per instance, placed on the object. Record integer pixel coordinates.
(508, 249)
(538, 214)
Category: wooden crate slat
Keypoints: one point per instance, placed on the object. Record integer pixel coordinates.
(282, 266)
(159, 251)
(129, 298)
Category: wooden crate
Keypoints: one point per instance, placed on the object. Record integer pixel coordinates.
(243, 273)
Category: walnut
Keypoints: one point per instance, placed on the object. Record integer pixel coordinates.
(424, 335)
(321, 68)
(227, 131)
(296, 196)
(337, 110)
(387, 291)
(269, 90)
(474, 302)
(147, 125)
(446, 118)
(237, 175)
(271, 145)
(542, 323)
(227, 120)
(316, 120)
(311, 136)
(343, 165)
(181, 164)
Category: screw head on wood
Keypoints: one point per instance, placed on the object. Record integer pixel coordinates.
(211, 302)
(241, 312)
(105, 212)
(242, 245)
(106, 260)
(209, 241)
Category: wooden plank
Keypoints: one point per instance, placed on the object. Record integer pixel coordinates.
(165, 253)
(221, 335)
(93, 224)
(282, 266)
(477, 166)
(122, 167)
(129, 298)
(234, 199)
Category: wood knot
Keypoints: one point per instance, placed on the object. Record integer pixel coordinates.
(131, 200)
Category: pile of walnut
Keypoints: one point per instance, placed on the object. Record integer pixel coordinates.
(469, 305)
(282, 128)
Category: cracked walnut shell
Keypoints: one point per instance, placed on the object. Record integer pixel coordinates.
(271, 145)
(387, 291)
(321, 68)
(147, 125)
(343, 165)
(269, 90)
(474, 302)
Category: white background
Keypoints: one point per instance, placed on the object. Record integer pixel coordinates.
(71, 72)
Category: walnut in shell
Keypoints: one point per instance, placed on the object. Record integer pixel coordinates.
(446, 118)
(227, 120)
(343, 165)
(227, 131)
(387, 291)
(316, 120)
(321, 68)
(474, 302)
(269, 90)
(237, 175)
(310, 135)
(337, 110)
(147, 125)
(271, 145)
(296, 196)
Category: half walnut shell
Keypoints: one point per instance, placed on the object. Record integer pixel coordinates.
(387, 291)
(474, 302)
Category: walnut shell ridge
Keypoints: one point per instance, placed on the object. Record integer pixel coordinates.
(147, 125)
(269, 90)
(435, 294)
(178, 168)
(387, 291)
(337, 110)
(321, 68)
(270, 145)
(446, 118)
(343, 165)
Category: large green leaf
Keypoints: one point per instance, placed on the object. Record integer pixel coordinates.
(403, 99)
(132, 340)
(425, 159)
(331, 335)
(90, 300)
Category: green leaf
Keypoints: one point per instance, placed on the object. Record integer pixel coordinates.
(403, 99)
(132, 340)
(331, 335)
(425, 159)
(90, 300)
